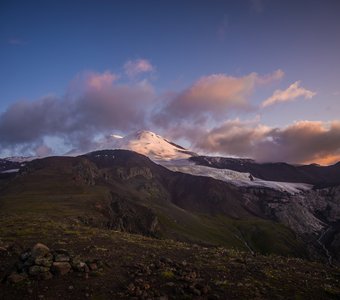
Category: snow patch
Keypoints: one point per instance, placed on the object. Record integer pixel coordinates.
(232, 177)
(10, 171)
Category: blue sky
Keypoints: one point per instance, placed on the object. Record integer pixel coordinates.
(47, 46)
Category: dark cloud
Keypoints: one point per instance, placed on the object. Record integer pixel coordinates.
(101, 106)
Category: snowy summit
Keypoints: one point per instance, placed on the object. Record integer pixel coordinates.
(152, 145)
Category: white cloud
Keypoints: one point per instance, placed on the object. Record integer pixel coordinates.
(290, 94)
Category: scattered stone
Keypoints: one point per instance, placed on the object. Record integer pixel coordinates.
(170, 284)
(71, 287)
(61, 268)
(131, 288)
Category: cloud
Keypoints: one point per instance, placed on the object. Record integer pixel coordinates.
(43, 150)
(301, 142)
(101, 104)
(133, 68)
(290, 94)
(213, 96)
(100, 81)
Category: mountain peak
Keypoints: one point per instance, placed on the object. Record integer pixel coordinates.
(153, 145)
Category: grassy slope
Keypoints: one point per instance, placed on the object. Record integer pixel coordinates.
(53, 192)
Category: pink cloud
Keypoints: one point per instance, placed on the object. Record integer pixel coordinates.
(133, 68)
(293, 92)
(300, 142)
(214, 96)
(99, 81)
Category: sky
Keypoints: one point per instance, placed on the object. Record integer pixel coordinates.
(246, 78)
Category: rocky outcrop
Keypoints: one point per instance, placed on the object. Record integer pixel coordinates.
(131, 217)
(313, 215)
(128, 173)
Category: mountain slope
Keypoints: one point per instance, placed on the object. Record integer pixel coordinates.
(123, 190)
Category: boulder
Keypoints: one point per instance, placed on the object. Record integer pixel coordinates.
(61, 268)
(40, 250)
(44, 261)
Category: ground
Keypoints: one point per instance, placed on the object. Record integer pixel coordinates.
(138, 267)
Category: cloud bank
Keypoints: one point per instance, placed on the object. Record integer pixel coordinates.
(301, 142)
(102, 103)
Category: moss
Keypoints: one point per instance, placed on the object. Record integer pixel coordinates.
(167, 274)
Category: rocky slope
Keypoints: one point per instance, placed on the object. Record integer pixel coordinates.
(101, 264)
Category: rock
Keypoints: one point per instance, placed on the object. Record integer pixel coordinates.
(195, 291)
(131, 288)
(44, 261)
(15, 278)
(138, 291)
(166, 260)
(71, 287)
(93, 266)
(61, 257)
(146, 286)
(39, 250)
(37, 270)
(170, 284)
(25, 255)
(79, 265)
(46, 276)
(61, 268)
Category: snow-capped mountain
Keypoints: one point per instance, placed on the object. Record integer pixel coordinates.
(149, 144)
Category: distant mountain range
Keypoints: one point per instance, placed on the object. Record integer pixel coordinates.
(154, 187)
